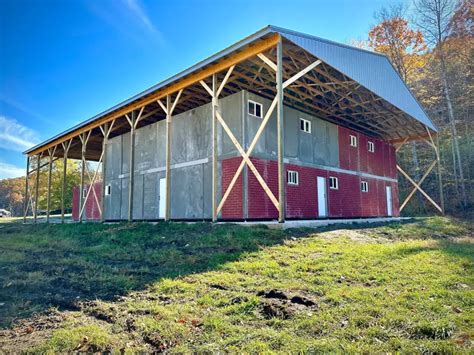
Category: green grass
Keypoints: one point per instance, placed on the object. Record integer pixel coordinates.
(201, 288)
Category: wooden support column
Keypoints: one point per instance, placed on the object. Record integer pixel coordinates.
(51, 152)
(27, 185)
(38, 162)
(66, 146)
(105, 142)
(168, 158)
(169, 109)
(280, 133)
(131, 180)
(84, 138)
(214, 148)
(440, 180)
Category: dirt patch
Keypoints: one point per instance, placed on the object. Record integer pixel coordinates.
(27, 333)
(157, 343)
(104, 313)
(284, 305)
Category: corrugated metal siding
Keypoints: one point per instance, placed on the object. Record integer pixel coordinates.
(373, 71)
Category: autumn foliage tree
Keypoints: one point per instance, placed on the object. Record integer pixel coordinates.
(404, 46)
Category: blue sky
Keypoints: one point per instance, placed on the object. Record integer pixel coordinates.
(63, 61)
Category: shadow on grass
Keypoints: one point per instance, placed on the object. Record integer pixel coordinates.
(43, 266)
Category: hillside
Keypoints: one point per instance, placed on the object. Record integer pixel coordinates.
(176, 287)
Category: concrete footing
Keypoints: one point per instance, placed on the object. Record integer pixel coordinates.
(316, 223)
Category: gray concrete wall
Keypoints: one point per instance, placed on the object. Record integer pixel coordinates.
(318, 147)
(191, 154)
(191, 174)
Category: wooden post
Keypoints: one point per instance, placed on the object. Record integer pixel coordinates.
(214, 149)
(168, 157)
(131, 179)
(83, 170)
(104, 169)
(27, 185)
(440, 181)
(50, 171)
(63, 188)
(38, 162)
(280, 137)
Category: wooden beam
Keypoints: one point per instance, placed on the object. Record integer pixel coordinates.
(248, 162)
(267, 61)
(440, 177)
(27, 185)
(301, 73)
(234, 59)
(38, 162)
(419, 188)
(248, 153)
(214, 148)
(407, 199)
(66, 146)
(51, 152)
(105, 142)
(168, 158)
(131, 168)
(84, 137)
(280, 130)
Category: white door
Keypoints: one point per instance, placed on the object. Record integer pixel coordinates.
(162, 205)
(322, 197)
(388, 192)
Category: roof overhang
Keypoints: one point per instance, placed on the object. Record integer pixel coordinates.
(352, 87)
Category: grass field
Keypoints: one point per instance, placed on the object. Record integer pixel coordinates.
(197, 287)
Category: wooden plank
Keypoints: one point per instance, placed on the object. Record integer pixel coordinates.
(234, 59)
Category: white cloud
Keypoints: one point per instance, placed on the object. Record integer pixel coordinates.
(139, 26)
(14, 136)
(140, 13)
(10, 171)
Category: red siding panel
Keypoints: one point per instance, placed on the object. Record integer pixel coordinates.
(259, 204)
(301, 199)
(381, 162)
(233, 206)
(92, 208)
(348, 156)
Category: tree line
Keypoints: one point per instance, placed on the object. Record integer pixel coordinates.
(12, 191)
(431, 47)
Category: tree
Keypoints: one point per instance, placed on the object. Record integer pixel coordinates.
(434, 18)
(404, 46)
(406, 49)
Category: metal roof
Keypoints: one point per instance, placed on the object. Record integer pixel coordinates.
(372, 70)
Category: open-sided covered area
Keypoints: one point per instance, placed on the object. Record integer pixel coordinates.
(351, 91)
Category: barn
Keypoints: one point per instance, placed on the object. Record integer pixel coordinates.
(281, 125)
